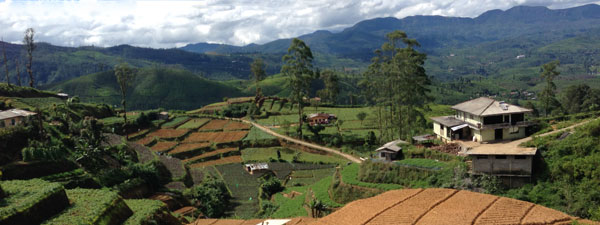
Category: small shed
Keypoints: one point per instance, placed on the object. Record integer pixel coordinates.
(163, 116)
(389, 151)
(257, 167)
(13, 117)
(63, 96)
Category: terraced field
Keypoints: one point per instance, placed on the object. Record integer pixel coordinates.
(444, 206)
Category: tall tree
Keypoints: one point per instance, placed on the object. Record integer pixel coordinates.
(5, 62)
(18, 70)
(125, 76)
(298, 69)
(547, 95)
(396, 81)
(258, 72)
(29, 46)
(332, 88)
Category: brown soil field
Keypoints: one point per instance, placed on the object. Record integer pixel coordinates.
(214, 125)
(234, 125)
(367, 208)
(226, 160)
(448, 211)
(184, 147)
(168, 133)
(443, 206)
(163, 146)
(138, 134)
(542, 215)
(145, 140)
(211, 153)
(409, 211)
(505, 211)
(217, 137)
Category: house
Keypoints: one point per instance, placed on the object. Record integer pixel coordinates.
(482, 119)
(320, 118)
(13, 117)
(256, 167)
(389, 151)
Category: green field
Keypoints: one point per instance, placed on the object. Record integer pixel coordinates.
(350, 176)
(422, 163)
(194, 123)
(257, 134)
(143, 210)
(265, 154)
(176, 121)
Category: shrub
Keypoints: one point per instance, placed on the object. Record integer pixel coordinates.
(211, 197)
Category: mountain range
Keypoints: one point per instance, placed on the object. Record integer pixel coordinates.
(495, 52)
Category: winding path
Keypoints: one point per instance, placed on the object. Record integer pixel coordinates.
(300, 142)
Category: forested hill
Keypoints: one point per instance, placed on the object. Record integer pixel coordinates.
(54, 63)
(153, 88)
(436, 33)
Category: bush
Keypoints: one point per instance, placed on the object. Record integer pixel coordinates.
(211, 197)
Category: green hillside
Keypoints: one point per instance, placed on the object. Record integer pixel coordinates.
(153, 88)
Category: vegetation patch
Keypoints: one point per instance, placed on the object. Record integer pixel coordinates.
(256, 134)
(144, 210)
(422, 163)
(175, 122)
(216, 137)
(93, 206)
(189, 148)
(194, 123)
(31, 201)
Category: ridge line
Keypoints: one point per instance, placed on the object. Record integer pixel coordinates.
(484, 210)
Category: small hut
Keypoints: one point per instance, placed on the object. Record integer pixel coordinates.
(257, 167)
(389, 151)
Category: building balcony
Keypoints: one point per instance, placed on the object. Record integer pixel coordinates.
(505, 125)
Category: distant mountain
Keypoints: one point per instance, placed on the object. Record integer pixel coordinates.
(435, 32)
(54, 63)
(153, 88)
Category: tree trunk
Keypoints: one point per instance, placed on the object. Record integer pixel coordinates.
(125, 119)
(18, 72)
(300, 120)
(29, 71)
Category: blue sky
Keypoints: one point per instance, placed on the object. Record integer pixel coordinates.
(166, 24)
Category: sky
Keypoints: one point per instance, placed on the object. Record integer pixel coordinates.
(167, 24)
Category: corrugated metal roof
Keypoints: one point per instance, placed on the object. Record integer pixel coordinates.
(449, 121)
(484, 106)
(392, 146)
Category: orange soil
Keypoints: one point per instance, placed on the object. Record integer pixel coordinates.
(162, 146)
(168, 133)
(214, 125)
(184, 147)
(207, 154)
(226, 160)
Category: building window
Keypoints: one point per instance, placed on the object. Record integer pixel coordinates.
(382, 154)
(482, 157)
(470, 116)
(513, 130)
(500, 157)
(1, 123)
(13, 122)
(520, 157)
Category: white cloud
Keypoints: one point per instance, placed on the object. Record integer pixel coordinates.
(238, 22)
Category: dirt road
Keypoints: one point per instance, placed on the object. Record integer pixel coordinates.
(300, 142)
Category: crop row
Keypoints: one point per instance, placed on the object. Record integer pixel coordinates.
(207, 155)
(168, 133)
(194, 123)
(163, 146)
(226, 160)
(214, 125)
(216, 137)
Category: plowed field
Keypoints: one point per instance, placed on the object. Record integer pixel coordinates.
(145, 141)
(163, 146)
(216, 137)
(214, 125)
(168, 133)
(234, 125)
(184, 147)
(212, 153)
(226, 160)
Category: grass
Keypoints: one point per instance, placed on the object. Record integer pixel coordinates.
(289, 208)
(176, 121)
(350, 174)
(194, 123)
(24, 194)
(258, 134)
(265, 154)
(143, 210)
(308, 177)
(88, 206)
(422, 163)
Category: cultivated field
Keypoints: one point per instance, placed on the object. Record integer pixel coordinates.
(216, 137)
(168, 133)
(163, 146)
